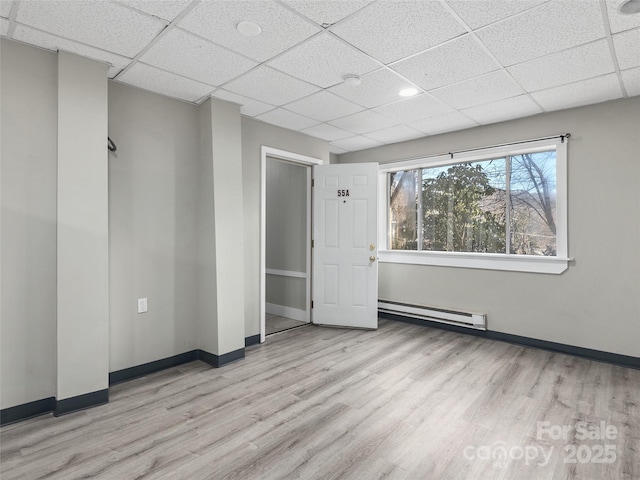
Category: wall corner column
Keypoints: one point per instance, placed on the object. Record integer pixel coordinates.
(82, 235)
(221, 251)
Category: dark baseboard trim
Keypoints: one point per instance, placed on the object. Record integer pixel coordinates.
(81, 402)
(220, 360)
(230, 357)
(130, 373)
(208, 358)
(598, 355)
(26, 410)
(252, 340)
(591, 354)
(94, 399)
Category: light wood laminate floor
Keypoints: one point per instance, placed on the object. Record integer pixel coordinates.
(402, 402)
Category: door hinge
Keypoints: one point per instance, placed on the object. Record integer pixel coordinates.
(311, 303)
(313, 182)
(312, 244)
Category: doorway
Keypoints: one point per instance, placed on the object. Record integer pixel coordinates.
(287, 246)
(285, 238)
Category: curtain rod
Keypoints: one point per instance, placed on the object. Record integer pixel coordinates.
(561, 137)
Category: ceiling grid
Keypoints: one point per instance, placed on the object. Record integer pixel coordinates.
(472, 62)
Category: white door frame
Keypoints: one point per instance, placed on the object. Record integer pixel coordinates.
(266, 152)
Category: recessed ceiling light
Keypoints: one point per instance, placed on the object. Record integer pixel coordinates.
(408, 92)
(352, 80)
(629, 7)
(249, 29)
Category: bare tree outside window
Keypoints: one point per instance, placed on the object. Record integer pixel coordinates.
(533, 204)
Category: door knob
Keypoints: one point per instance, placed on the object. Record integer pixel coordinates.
(372, 258)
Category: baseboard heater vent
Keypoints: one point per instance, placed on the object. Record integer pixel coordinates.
(476, 321)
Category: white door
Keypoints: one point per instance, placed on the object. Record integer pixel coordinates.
(345, 263)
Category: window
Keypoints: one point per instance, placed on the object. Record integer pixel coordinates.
(498, 208)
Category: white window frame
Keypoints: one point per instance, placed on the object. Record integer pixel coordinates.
(490, 261)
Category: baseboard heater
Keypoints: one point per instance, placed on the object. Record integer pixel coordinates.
(477, 321)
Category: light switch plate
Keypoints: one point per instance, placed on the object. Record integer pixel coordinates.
(142, 305)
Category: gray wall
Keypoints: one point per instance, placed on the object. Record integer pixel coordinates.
(155, 221)
(286, 235)
(286, 216)
(595, 303)
(254, 135)
(153, 203)
(28, 223)
(286, 291)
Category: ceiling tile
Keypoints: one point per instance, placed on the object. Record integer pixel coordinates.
(476, 91)
(594, 90)
(414, 108)
(4, 26)
(327, 12)
(286, 119)
(395, 134)
(217, 20)
(249, 106)
(579, 63)
(391, 30)
(336, 150)
(443, 123)
(327, 132)
(377, 88)
(452, 62)
(627, 46)
(183, 53)
(478, 14)
(631, 79)
(108, 26)
(270, 86)
(164, 9)
(514, 107)
(356, 143)
(165, 83)
(364, 122)
(324, 61)
(546, 29)
(324, 106)
(52, 42)
(619, 22)
(5, 8)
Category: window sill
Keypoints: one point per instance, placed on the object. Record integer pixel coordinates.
(486, 261)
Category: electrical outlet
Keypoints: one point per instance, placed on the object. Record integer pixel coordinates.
(142, 305)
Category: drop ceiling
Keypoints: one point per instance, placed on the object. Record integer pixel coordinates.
(474, 62)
